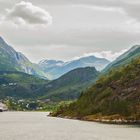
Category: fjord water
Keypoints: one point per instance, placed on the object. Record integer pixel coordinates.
(37, 126)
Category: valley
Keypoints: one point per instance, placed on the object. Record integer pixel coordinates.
(69, 70)
(87, 88)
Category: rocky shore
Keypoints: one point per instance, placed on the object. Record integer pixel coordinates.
(114, 119)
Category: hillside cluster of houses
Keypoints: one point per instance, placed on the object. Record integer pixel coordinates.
(9, 84)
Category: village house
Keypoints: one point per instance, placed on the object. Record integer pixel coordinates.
(3, 107)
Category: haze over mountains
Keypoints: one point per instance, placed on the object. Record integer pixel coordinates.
(55, 69)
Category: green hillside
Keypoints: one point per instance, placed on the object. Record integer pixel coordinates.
(115, 96)
(70, 85)
(19, 85)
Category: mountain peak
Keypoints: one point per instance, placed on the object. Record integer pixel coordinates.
(90, 57)
(1, 40)
(125, 58)
(55, 68)
(135, 47)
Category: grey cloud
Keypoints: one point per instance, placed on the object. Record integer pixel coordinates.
(75, 30)
(130, 7)
(99, 39)
(113, 3)
(133, 11)
(27, 13)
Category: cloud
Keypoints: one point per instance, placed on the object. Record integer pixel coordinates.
(102, 27)
(109, 54)
(130, 7)
(103, 54)
(25, 13)
(133, 11)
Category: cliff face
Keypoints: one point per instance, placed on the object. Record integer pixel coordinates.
(10, 60)
(116, 94)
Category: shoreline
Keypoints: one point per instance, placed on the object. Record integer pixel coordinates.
(119, 121)
(103, 121)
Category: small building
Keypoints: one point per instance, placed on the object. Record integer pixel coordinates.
(12, 84)
(44, 100)
(3, 107)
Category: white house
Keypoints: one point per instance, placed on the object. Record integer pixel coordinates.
(3, 107)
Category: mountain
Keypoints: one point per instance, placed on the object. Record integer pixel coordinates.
(115, 96)
(70, 85)
(125, 58)
(54, 69)
(20, 85)
(10, 60)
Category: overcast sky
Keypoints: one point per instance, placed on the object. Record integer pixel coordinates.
(65, 29)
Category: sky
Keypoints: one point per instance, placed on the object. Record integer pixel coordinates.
(67, 29)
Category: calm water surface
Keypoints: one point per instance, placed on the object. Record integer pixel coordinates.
(36, 126)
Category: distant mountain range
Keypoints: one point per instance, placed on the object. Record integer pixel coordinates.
(11, 60)
(70, 85)
(54, 69)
